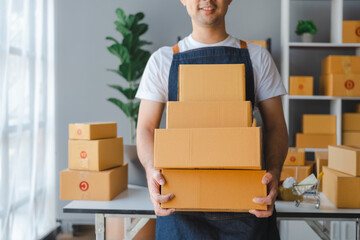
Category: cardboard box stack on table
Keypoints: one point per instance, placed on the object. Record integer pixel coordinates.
(351, 129)
(295, 165)
(341, 180)
(209, 153)
(301, 85)
(319, 131)
(340, 76)
(96, 166)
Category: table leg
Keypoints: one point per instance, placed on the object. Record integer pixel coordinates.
(319, 229)
(357, 228)
(135, 227)
(100, 226)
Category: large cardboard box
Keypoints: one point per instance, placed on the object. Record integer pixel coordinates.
(345, 159)
(91, 131)
(341, 64)
(312, 140)
(351, 138)
(208, 114)
(295, 157)
(351, 122)
(297, 172)
(212, 82)
(97, 186)
(235, 148)
(321, 158)
(95, 155)
(351, 32)
(341, 189)
(213, 190)
(340, 85)
(319, 123)
(301, 85)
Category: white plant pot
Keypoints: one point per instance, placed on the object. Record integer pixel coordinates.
(307, 37)
(136, 172)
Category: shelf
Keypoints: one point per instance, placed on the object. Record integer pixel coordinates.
(318, 97)
(315, 149)
(323, 45)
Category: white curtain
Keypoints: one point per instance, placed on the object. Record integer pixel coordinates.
(27, 159)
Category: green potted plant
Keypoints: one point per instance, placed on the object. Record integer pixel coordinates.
(306, 29)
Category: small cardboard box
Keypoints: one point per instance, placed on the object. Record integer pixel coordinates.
(340, 85)
(212, 82)
(295, 157)
(319, 123)
(301, 85)
(91, 131)
(312, 140)
(213, 190)
(345, 159)
(321, 158)
(351, 138)
(297, 172)
(351, 122)
(208, 114)
(351, 32)
(95, 155)
(235, 148)
(96, 186)
(341, 189)
(340, 64)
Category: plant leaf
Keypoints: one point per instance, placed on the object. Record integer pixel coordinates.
(140, 29)
(125, 107)
(122, 29)
(139, 16)
(120, 51)
(121, 16)
(129, 93)
(131, 42)
(112, 39)
(142, 43)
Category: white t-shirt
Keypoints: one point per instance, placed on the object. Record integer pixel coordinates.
(154, 82)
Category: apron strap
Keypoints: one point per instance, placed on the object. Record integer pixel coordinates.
(243, 44)
(176, 49)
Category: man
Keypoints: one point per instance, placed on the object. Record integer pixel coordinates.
(210, 44)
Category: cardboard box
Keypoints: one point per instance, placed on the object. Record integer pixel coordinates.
(351, 122)
(235, 148)
(351, 138)
(261, 43)
(341, 189)
(351, 32)
(95, 155)
(321, 158)
(345, 159)
(212, 82)
(295, 157)
(340, 64)
(319, 123)
(208, 114)
(312, 140)
(91, 131)
(96, 186)
(115, 229)
(301, 85)
(297, 172)
(340, 85)
(213, 190)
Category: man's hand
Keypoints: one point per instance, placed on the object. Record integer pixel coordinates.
(154, 180)
(272, 184)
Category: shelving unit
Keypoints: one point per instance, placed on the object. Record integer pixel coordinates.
(313, 104)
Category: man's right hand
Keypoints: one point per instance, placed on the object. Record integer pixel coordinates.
(154, 180)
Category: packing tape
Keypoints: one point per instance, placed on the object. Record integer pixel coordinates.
(84, 163)
(346, 63)
(296, 173)
(83, 175)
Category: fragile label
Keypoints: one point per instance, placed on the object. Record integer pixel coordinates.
(349, 84)
(292, 159)
(84, 186)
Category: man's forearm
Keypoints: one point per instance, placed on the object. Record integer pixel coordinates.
(145, 148)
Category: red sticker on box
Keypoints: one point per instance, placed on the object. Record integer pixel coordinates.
(79, 131)
(357, 32)
(301, 86)
(349, 84)
(292, 159)
(84, 186)
(83, 154)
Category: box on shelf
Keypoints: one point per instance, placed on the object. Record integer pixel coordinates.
(91, 131)
(214, 114)
(351, 32)
(259, 42)
(95, 155)
(236, 148)
(212, 82)
(297, 172)
(96, 186)
(213, 190)
(321, 158)
(351, 138)
(319, 123)
(345, 159)
(312, 140)
(351, 122)
(340, 64)
(301, 85)
(340, 85)
(295, 157)
(341, 189)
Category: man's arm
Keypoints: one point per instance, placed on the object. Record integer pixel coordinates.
(150, 113)
(276, 142)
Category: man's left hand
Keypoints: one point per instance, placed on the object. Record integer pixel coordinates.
(272, 182)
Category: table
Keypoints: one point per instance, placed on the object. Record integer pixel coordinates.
(135, 203)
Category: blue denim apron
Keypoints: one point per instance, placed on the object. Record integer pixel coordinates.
(214, 225)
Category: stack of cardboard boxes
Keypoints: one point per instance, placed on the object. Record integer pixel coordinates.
(301, 85)
(96, 170)
(319, 131)
(341, 181)
(209, 141)
(351, 129)
(340, 76)
(295, 165)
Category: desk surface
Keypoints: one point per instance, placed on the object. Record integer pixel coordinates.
(136, 200)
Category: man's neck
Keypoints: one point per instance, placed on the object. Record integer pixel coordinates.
(209, 35)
